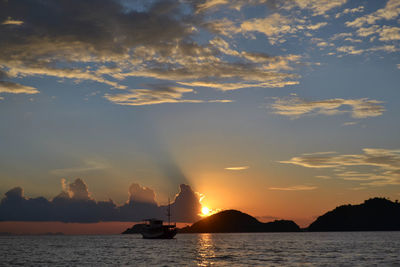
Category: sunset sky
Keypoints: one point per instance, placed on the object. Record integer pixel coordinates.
(278, 108)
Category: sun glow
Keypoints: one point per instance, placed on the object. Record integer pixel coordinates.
(205, 211)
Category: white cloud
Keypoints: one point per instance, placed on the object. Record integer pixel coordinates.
(237, 168)
(319, 7)
(390, 11)
(141, 97)
(15, 88)
(294, 188)
(316, 26)
(272, 26)
(276, 26)
(278, 82)
(350, 11)
(349, 49)
(388, 33)
(296, 107)
(234, 4)
(157, 95)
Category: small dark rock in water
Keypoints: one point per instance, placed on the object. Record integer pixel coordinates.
(375, 214)
(233, 221)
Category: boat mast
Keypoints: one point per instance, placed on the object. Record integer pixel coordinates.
(169, 212)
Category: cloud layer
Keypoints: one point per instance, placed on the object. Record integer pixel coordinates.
(375, 167)
(75, 204)
(108, 41)
(181, 46)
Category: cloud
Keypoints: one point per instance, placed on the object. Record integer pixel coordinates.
(296, 107)
(319, 7)
(275, 26)
(79, 190)
(271, 26)
(107, 41)
(383, 165)
(75, 204)
(237, 168)
(15, 88)
(324, 177)
(10, 21)
(80, 33)
(350, 11)
(388, 33)
(233, 4)
(294, 188)
(235, 86)
(351, 50)
(186, 206)
(158, 95)
(389, 12)
(161, 95)
(141, 194)
(88, 165)
(350, 123)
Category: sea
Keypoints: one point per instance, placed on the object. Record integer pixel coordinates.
(242, 249)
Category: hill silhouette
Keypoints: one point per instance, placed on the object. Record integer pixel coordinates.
(233, 221)
(375, 214)
(136, 229)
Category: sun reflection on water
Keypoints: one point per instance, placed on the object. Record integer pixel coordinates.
(205, 250)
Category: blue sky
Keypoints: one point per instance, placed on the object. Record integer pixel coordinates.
(302, 94)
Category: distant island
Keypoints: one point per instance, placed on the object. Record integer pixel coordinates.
(375, 214)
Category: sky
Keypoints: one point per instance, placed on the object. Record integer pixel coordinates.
(283, 109)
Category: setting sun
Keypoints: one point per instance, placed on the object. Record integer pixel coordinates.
(205, 211)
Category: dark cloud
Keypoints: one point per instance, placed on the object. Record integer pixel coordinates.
(79, 190)
(186, 206)
(138, 193)
(74, 204)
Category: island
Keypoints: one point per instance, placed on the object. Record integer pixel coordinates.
(135, 229)
(375, 214)
(233, 221)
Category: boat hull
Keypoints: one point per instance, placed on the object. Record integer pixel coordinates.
(166, 234)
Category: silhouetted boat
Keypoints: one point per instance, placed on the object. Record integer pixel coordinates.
(155, 229)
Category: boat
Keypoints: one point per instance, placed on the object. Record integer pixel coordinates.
(155, 229)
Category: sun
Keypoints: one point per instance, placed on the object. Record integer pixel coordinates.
(205, 211)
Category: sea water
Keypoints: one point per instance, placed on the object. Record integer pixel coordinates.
(246, 249)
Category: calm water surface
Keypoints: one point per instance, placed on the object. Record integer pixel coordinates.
(259, 249)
